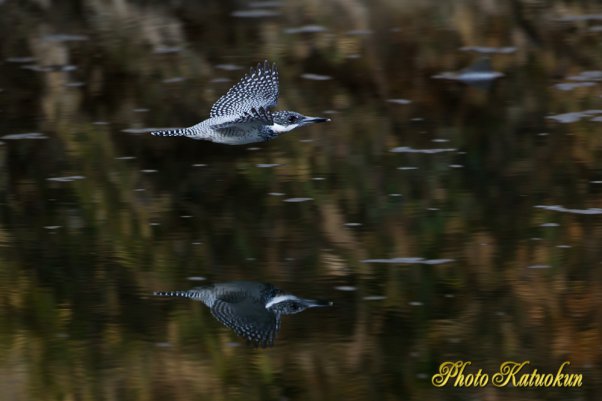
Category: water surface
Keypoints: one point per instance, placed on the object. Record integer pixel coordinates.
(446, 220)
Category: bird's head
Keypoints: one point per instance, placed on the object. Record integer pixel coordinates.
(288, 304)
(285, 121)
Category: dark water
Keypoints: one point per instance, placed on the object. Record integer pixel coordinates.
(447, 221)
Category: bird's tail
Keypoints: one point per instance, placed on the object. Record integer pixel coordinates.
(172, 132)
(185, 294)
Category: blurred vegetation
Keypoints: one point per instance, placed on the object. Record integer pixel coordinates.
(79, 258)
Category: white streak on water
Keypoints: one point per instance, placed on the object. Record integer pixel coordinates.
(409, 261)
(408, 149)
(316, 77)
(66, 179)
(29, 135)
(558, 208)
(305, 29)
(399, 101)
(297, 200)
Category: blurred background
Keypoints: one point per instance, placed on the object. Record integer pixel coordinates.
(446, 219)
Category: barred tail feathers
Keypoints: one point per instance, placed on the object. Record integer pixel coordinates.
(172, 132)
(185, 294)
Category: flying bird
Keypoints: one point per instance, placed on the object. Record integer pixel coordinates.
(252, 309)
(243, 115)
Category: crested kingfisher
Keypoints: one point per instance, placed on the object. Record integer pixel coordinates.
(252, 309)
(243, 115)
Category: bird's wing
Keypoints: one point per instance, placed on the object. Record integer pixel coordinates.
(248, 318)
(259, 88)
(247, 120)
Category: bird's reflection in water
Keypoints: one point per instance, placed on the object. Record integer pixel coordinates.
(252, 309)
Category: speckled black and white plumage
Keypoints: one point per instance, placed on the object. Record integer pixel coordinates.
(257, 89)
(243, 115)
(252, 309)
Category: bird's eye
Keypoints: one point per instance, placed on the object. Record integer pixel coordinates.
(292, 119)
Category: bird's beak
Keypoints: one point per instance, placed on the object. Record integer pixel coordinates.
(313, 120)
(316, 303)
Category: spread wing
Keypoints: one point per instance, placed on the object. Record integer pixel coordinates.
(249, 120)
(257, 89)
(249, 319)
(254, 120)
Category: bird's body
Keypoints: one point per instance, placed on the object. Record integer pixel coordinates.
(208, 294)
(250, 308)
(229, 136)
(243, 115)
